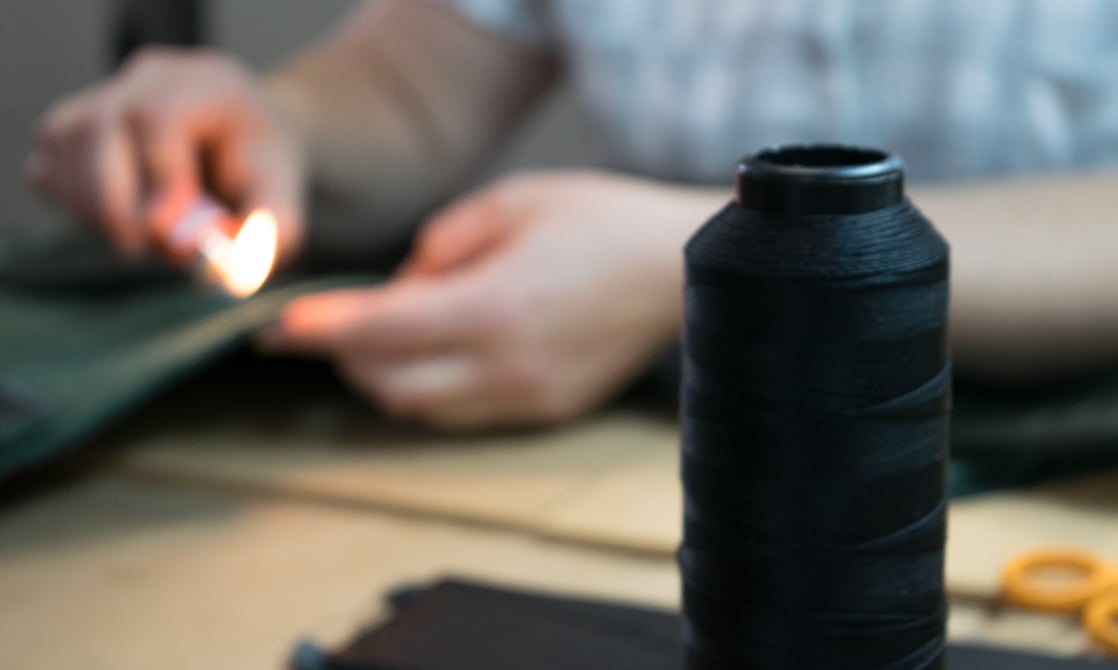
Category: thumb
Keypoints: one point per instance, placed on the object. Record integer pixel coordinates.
(404, 318)
(456, 235)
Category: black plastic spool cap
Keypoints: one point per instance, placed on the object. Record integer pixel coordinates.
(819, 179)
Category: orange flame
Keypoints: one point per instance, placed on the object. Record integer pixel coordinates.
(251, 255)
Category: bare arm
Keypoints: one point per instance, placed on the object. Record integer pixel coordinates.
(398, 105)
(1034, 273)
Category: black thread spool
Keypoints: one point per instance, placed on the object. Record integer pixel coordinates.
(815, 421)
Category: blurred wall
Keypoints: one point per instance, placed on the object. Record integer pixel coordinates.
(46, 47)
(51, 47)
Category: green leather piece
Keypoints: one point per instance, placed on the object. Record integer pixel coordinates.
(71, 361)
(1078, 417)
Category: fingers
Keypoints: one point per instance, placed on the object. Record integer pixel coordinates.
(84, 159)
(113, 193)
(416, 348)
(421, 348)
(128, 154)
(404, 318)
(446, 374)
(177, 105)
(436, 389)
(458, 390)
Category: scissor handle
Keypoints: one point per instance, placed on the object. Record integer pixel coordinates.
(1101, 620)
(1022, 589)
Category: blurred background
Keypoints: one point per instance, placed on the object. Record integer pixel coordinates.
(52, 47)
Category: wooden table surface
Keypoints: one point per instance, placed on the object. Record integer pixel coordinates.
(107, 572)
(106, 567)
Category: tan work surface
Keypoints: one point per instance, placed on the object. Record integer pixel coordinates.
(610, 481)
(114, 574)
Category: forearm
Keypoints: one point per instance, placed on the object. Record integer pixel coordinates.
(1034, 271)
(395, 109)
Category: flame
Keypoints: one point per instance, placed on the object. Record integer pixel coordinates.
(251, 256)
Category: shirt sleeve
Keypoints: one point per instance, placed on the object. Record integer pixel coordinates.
(525, 21)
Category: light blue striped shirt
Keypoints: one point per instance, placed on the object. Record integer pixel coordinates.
(960, 88)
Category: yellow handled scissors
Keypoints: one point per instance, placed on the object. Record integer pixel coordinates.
(1093, 595)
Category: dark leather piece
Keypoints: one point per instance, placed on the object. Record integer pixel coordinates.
(461, 625)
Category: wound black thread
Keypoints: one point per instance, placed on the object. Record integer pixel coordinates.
(815, 411)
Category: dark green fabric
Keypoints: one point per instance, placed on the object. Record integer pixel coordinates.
(1079, 415)
(82, 343)
(1018, 436)
(80, 362)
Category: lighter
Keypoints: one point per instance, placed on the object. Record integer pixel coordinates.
(234, 259)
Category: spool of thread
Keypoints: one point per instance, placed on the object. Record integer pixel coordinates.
(815, 420)
(237, 263)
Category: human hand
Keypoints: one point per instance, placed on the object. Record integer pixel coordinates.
(132, 154)
(530, 301)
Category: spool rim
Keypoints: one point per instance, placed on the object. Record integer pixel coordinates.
(821, 162)
(809, 179)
